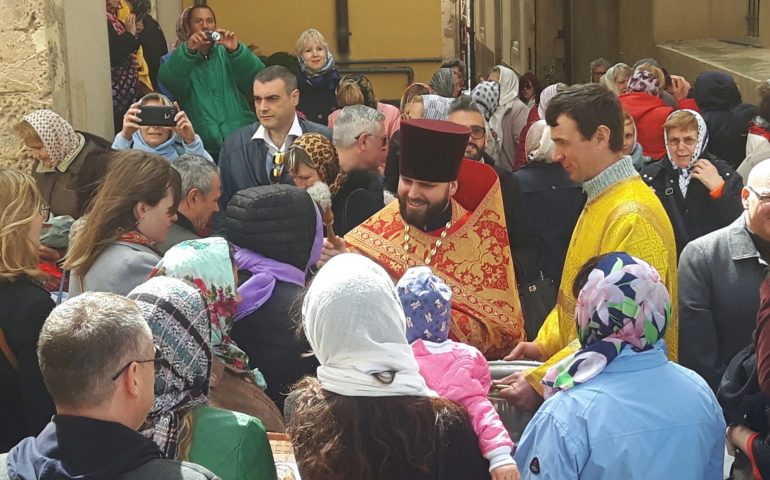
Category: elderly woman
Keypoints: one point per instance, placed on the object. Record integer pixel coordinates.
(616, 77)
(69, 164)
(25, 405)
(132, 212)
(487, 97)
(619, 391)
(233, 445)
(318, 78)
(369, 391)
(535, 113)
(168, 142)
(355, 195)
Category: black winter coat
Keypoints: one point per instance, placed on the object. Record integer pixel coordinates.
(359, 198)
(317, 102)
(553, 204)
(727, 119)
(698, 213)
(279, 222)
(25, 405)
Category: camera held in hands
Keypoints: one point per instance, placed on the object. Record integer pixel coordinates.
(213, 36)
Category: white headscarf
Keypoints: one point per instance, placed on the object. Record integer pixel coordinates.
(354, 321)
(685, 174)
(435, 107)
(545, 98)
(509, 92)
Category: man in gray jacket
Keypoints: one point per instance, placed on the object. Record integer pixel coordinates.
(98, 361)
(719, 278)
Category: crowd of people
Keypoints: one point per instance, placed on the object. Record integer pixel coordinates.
(269, 252)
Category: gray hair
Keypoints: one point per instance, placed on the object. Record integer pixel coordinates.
(599, 62)
(85, 341)
(196, 172)
(352, 122)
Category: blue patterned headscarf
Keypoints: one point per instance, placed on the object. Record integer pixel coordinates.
(623, 304)
(427, 303)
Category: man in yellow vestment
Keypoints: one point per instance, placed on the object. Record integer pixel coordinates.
(449, 216)
(621, 214)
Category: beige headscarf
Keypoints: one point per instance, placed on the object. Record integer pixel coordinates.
(58, 137)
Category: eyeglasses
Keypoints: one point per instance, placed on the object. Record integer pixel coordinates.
(383, 137)
(763, 197)
(45, 211)
(478, 132)
(675, 142)
(277, 165)
(158, 362)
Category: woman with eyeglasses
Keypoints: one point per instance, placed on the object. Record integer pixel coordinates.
(232, 445)
(25, 405)
(700, 192)
(132, 212)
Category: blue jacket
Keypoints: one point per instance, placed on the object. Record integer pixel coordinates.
(170, 149)
(643, 417)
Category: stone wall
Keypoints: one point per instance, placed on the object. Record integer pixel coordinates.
(30, 67)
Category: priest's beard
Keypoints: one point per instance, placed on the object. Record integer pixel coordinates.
(422, 213)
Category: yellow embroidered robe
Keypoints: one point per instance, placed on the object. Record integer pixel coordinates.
(627, 217)
(474, 259)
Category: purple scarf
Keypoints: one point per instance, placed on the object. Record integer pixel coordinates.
(265, 272)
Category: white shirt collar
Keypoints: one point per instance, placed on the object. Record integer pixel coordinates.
(294, 132)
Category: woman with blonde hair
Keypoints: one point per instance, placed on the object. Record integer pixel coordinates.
(131, 213)
(25, 406)
(318, 78)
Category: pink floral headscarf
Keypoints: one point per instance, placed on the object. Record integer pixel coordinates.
(624, 303)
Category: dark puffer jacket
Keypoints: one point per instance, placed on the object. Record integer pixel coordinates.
(279, 222)
(726, 117)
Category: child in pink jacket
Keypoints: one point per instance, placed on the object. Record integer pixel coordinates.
(454, 370)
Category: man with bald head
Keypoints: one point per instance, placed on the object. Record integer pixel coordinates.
(719, 278)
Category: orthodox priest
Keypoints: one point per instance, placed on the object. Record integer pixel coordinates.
(449, 216)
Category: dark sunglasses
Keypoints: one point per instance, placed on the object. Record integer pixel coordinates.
(158, 362)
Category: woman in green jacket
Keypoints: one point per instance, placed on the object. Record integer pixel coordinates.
(232, 445)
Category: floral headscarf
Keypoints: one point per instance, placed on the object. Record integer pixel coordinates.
(487, 96)
(323, 156)
(58, 137)
(182, 35)
(623, 304)
(206, 263)
(643, 81)
(685, 174)
(180, 326)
